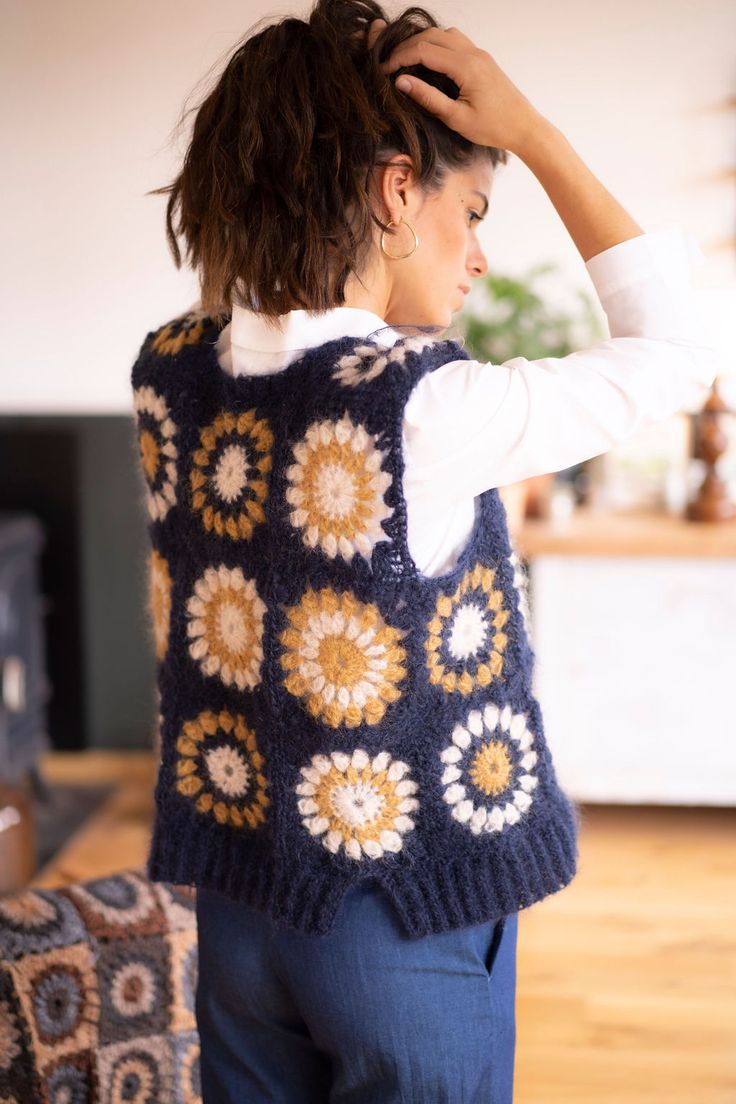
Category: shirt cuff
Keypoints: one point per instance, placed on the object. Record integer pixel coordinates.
(667, 251)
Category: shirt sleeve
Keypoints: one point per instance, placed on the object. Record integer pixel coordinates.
(470, 425)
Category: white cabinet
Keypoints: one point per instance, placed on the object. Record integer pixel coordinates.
(636, 675)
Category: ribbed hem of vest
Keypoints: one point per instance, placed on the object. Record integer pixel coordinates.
(465, 891)
(428, 896)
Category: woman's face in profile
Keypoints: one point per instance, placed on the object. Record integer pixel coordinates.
(426, 287)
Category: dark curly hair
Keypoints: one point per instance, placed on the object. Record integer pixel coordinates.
(272, 198)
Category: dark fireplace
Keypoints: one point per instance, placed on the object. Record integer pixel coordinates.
(78, 477)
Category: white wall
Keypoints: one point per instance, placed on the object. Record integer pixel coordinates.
(91, 93)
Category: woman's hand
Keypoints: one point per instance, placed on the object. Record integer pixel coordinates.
(490, 110)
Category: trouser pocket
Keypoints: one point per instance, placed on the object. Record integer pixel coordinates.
(494, 944)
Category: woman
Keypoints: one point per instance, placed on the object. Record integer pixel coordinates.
(354, 771)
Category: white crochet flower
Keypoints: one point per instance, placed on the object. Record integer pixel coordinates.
(158, 452)
(357, 803)
(226, 626)
(521, 582)
(228, 770)
(368, 361)
(487, 778)
(337, 488)
(465, 642)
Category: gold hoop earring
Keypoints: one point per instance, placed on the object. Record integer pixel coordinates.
(403, 255)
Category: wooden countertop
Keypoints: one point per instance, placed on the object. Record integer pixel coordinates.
(595, 533)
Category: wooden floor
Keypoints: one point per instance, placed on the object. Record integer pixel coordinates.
(626, 978)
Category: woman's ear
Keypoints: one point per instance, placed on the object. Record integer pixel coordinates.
(395, 184)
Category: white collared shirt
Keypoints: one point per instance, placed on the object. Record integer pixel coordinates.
(472, 425)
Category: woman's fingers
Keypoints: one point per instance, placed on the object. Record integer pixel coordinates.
(374, 31)
(421, 50)
(489, 109)
(449, 111)
(442, 57)
(448, 37)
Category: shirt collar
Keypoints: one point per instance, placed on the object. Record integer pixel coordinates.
(248, 345)
(301, 329)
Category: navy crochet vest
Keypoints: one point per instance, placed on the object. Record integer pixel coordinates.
(327, 712)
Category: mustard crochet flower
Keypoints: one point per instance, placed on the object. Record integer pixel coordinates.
(186, 329)
(487, 778)
(160, 601)
(220, 767)
(226, 626)
(357, 803)
(465, 645)
(366, 362)
(228, 476)
(158, 452)
(337, 488)
(343, 659)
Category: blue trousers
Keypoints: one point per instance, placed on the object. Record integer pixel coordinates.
(364, 1015)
